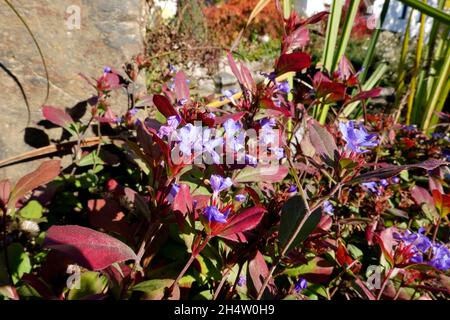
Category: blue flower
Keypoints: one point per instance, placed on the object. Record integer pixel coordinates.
(357, 139)
(212, 213)
(210, 145)
(172, 68)
(173, 192)
(293, 188)
(278, 152)
(229, 93)
(231, 128)
(219, 183)
(107, 70)
(240, 197)
(384, 183)
(284, 87)
(300, 285)
(172, 125)
(328, 208)
(266, 134)
(441, 257)
(188, 136)
(395, 180)
(421, 247)
(371, 186)
(242, 281)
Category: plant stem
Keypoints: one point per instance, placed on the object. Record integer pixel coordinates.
(383, 286)
(294, 235)
(194, 255)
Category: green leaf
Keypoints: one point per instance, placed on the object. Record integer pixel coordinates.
(428, 10)
(292, 213)
(18, 261)
(90, 159)
(153, 286)
(354, 251)
(91, 283)
(33, 210)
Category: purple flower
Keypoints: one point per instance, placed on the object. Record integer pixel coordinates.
(300, 285)
(172, 69)
(229, 93)
(172, 125)
(182, 102)
(395, 180)
(284, 87)
(188, 136)
(421, 247)
(278, 152)
(371, 186)
(410, 128)
(213, 214)
(107, 70)
(219, 183)
(271, 76)
(384, 183)
(357, 139)
(240, 197)
(173, 192)
(231, 128)
(292, 188)
(266, 134)
(441, 257)
(242, 281)
(251, 160)
(328, 208)
(210, 145)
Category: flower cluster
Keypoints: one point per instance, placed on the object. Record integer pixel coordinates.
(207, 144)
(423, 250)
(212, 212)
(358, 139)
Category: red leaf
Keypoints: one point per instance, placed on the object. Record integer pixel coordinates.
(421, 195)
(183, 201)
(297, 39)
(46, 172)
(249, 82)
(57, 116)
(246, 220)
(181, 86)
(107, 214)
(235, 116)
(392, 170)
(332, 91)
(164, 106)
(322, 141)
(295, 62)
(387, 243)
(342, 256)
(262, 173)
(234, 68)
(363, 95)
(267, 103)
(258, 271)
(442, 202)
(91, 249)
(315, 18)
(5, 189)
(108, 81)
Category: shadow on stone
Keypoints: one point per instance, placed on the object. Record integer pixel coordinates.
(36, 138)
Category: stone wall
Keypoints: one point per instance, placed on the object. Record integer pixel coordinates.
(109, 33)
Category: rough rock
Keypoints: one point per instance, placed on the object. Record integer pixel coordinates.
(110, 32)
